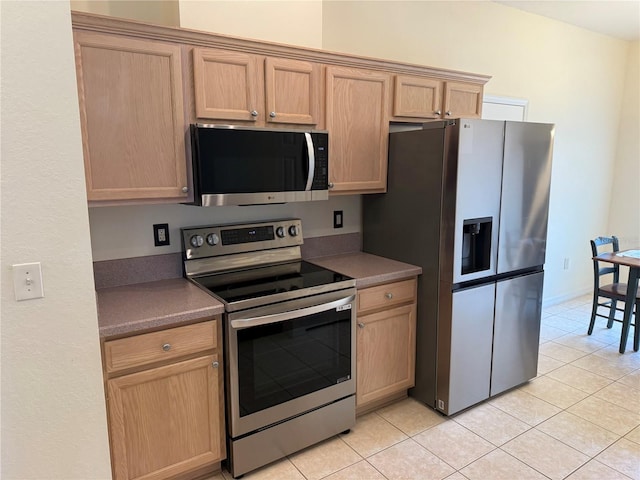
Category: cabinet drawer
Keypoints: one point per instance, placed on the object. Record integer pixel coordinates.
(158, 346)
(387, 295)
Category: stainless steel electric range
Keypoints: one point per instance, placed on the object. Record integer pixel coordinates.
(289, 338)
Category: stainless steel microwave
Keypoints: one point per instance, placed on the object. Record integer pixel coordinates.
(245, 166)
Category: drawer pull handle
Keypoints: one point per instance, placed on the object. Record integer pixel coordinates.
(389, 295)
(361, 325)
(166, 347)
(215, 364)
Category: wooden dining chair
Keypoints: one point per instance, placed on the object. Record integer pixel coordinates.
(612, 292)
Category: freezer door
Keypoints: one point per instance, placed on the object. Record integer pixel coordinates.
(526, 177)
(470, 357)
(477, 195)
(516, 333)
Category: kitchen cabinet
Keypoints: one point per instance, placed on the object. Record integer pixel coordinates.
(165, 402)
(357, 118)
(385, 343)
(133, 124)
(416, 98)
(240, 87)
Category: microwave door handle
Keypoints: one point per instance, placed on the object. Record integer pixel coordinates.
(281, 317)
(312, 160)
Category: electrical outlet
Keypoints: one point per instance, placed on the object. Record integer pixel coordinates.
(27, 281)
(161, 234)
(337, 219)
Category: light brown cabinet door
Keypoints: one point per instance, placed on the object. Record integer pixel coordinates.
(292, 91)
(132, 117)
(228, 85)
(462, 100)
(386, 343)
(417, 97)
(166, 421)
(357, 118)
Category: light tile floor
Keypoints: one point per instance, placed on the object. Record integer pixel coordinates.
(579, 419)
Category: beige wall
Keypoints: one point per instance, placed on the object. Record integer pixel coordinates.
(624, 212)
(571, 77)
(53, 407)
(292, 22)
(160, 12)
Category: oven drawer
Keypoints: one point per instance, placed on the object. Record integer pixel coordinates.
(387, 295)
(130, 352)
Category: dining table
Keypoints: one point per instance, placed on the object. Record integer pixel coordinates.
(628, 258)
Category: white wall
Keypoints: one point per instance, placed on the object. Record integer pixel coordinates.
(624, 212)
(53, 408)
(159, 12)
(571, 77)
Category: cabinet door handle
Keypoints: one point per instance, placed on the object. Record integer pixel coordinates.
(215, 364)
(254, 113)
(389, 295)
(448, 112)
(166, 347)
(360, 325)
(330, 185)
(185, 189)
(438, 112)
(272, 114)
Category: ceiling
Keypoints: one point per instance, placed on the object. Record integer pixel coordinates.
(616, 18)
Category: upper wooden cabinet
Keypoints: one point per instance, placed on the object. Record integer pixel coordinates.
(141, 85)
(422, 97)
(132, 118)
(235, 86)
(357, 109)
(462, 100)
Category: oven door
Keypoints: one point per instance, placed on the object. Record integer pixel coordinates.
(288, 358)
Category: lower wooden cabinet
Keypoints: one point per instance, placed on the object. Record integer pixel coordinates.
(167, 421)
(386, 343)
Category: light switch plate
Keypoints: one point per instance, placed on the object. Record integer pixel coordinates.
(27, 281)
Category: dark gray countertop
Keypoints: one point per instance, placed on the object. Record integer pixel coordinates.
(367, 269)
(136, 308)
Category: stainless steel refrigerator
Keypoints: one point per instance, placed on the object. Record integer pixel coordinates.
(468, 201)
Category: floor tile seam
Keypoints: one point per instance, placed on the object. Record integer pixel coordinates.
(601, 426)
(626, 436)
(339, 435)
(586, 370)
(589, 457)
(542, 400)
(401, 430)
(588, 392)
(529, 427)
(617, 405)
(523, 462)
(571, 446)
(466, 465)
(610, 466)
(566, 346)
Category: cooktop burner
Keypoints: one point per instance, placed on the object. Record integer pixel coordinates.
(250, 265)
(269, 280)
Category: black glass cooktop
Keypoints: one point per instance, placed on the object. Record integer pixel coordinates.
(270, 280)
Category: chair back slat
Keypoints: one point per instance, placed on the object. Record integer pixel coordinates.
(600, 245)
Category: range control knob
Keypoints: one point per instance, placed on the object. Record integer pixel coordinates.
(280, 232)
(293, 230)
(213, 239)
(196, 241)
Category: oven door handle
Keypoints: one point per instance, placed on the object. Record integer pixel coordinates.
(240, 324)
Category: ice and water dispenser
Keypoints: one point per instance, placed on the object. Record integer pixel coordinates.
(476, 245)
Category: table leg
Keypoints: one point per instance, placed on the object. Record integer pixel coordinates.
(630, 300)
